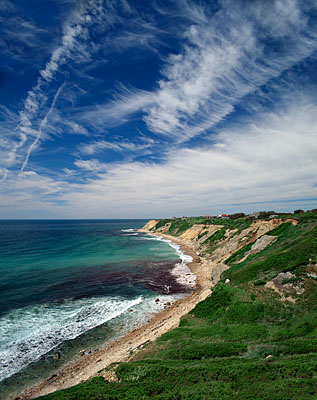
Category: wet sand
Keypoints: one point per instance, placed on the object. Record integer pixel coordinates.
(86, 366)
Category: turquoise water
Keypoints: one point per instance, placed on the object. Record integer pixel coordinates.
(63, 281)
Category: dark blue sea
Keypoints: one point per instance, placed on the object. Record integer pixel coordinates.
(68, 285)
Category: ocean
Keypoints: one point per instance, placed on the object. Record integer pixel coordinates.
(72, 285)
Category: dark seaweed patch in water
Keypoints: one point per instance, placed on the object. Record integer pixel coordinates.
(129, 280)
(154, 276)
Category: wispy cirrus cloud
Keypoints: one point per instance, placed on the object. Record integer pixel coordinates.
(72, 46)
(20, 37)
(75, 46)
(225, 56)
(93, 165)
(118, 146)
(118, 111)
(136, 33)
(42, 126)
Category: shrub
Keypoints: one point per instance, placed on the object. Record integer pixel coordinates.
(280, 229)
(216, 237)
(240, 312)
(209, 350)
(217, 301)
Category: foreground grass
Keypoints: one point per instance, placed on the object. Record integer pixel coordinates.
(242, 342)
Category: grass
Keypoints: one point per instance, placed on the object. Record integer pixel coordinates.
(179, 225)
(280, 229)
(216, 355)
(285, 258)
(220, 349)
(239, 254)
(216, 237)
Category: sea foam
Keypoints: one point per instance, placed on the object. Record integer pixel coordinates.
(181, 271)
(27, 334)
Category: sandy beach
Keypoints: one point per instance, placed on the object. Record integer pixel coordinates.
(86, 366)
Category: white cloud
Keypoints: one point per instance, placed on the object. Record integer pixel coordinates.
(75, 34)
(123, 146)
(75, 127)
(271, 161)
(42, 126)
(76, 46)
(91, 165)
(20, 37)
(224, 57)
(117, 112)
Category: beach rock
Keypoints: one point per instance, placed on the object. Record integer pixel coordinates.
(142, 345)
(57, 356)
(168, 303)
(157, 300)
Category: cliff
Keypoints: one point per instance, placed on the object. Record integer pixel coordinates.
(231, 237)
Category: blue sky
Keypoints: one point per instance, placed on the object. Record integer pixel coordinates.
(132, 109)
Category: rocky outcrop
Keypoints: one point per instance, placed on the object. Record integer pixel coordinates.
(249, 235)
(199, 233)
(286, 285)
(259, 245)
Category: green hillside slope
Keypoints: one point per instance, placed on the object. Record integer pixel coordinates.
(254, 337)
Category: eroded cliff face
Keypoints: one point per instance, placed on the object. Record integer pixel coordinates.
(195, 233)
(201, 237)
(150, 225)
(199, 233)
(235, 241)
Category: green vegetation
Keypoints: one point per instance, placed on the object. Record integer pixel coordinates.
(160, 223)
(242, 342)
(280, 229)
(288, 257)
(239, 254)
(216, 237)
(239, 223)
(179, 225)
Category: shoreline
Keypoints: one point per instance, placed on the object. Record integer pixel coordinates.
(89, 365)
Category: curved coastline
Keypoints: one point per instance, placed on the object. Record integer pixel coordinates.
(87, 366)
(181, 271)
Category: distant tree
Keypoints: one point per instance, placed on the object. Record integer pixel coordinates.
(298, 211)
(237, 215)
(266, 214)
